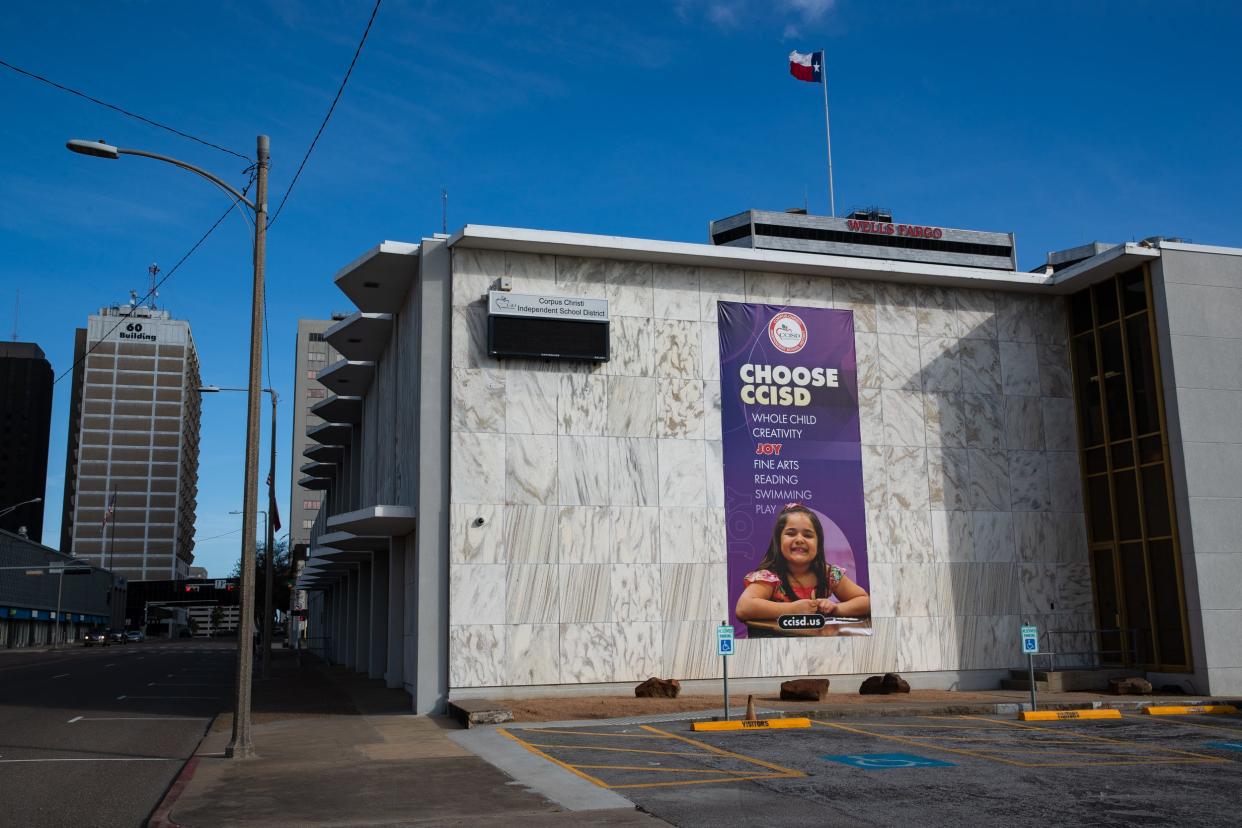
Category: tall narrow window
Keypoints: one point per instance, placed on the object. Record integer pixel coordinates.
(1140, 603)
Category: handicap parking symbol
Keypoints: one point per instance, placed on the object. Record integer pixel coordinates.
(1225, 745)
(886, 761)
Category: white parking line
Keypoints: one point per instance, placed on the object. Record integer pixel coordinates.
(175, 698)
(77, 719)
(118, 759)
(62, 675)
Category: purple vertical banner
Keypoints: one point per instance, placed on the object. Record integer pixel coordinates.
(795, 523)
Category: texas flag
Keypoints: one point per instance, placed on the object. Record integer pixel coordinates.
(807, 67)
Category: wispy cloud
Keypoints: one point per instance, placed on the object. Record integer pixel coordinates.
(734, 14)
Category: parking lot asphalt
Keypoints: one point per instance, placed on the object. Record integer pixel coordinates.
(929, 770)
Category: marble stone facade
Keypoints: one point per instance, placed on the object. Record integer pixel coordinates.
(587, 520)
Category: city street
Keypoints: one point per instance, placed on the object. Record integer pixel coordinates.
(94, 736)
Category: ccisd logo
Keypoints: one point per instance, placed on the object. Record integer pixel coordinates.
(787, 332)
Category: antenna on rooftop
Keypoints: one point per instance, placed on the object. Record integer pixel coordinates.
(444, 212)
(154, 270)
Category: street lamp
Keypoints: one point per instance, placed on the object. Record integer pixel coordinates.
(265, 663)
(242, 745)
(15, 506)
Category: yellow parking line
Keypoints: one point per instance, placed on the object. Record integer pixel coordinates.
(723, 752)
(1093, 738)
(697, 781)
(978, 738)
(1185, 723)
(589, 733)
(664, 770)
(906, 741)
(1140, 761)
(554, 760)
(613, 749)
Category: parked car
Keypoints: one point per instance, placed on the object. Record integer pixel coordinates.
(135, 635)
(117, 636)
(95, 636)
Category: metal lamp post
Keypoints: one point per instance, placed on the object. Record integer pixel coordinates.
(265, 663)
(242, 745)
(17, 506)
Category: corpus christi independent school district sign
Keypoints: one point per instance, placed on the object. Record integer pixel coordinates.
(795, 524)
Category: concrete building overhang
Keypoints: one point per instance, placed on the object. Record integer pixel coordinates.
(347, 376)
(392, 521)
(555, 242)
(341, 556)
(331, 434)
(1102, 266)
(315, 483)
(339, 409)
(324, 454)
(350, 542)
(318, 469)
(378, 280)
(361, 336)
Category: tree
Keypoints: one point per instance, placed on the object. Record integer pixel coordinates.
(280, 576)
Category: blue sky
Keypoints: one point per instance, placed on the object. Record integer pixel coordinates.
(1061, 122)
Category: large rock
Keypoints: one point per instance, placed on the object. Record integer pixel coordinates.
(873, 686)
(894, 683)
(1129, 686)
(658, 688)
(804, 690)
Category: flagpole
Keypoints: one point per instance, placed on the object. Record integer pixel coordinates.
(112, 543)
(823, 77)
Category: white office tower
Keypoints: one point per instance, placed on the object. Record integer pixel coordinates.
(131, 476)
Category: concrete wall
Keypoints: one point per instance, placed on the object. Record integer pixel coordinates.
(1198, 297)
(586, 537)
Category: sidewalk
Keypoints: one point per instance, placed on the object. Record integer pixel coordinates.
(338, 749)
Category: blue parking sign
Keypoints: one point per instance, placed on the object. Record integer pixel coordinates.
(724, 640)
(1030, 639)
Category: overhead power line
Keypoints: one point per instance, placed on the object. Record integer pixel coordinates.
(157, 285)
(116, 108)
(326, 117)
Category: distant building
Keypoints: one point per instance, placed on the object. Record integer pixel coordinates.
(25, 418)
(41, 589)
(869, 234)
(131, 474)
(312, 354)
(164, 606)
(305, 495)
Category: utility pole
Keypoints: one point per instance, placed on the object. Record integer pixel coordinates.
(266, 662)
(242, 744)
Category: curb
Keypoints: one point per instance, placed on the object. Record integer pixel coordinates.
(978, 708)
(161, 817)
(866, 711)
